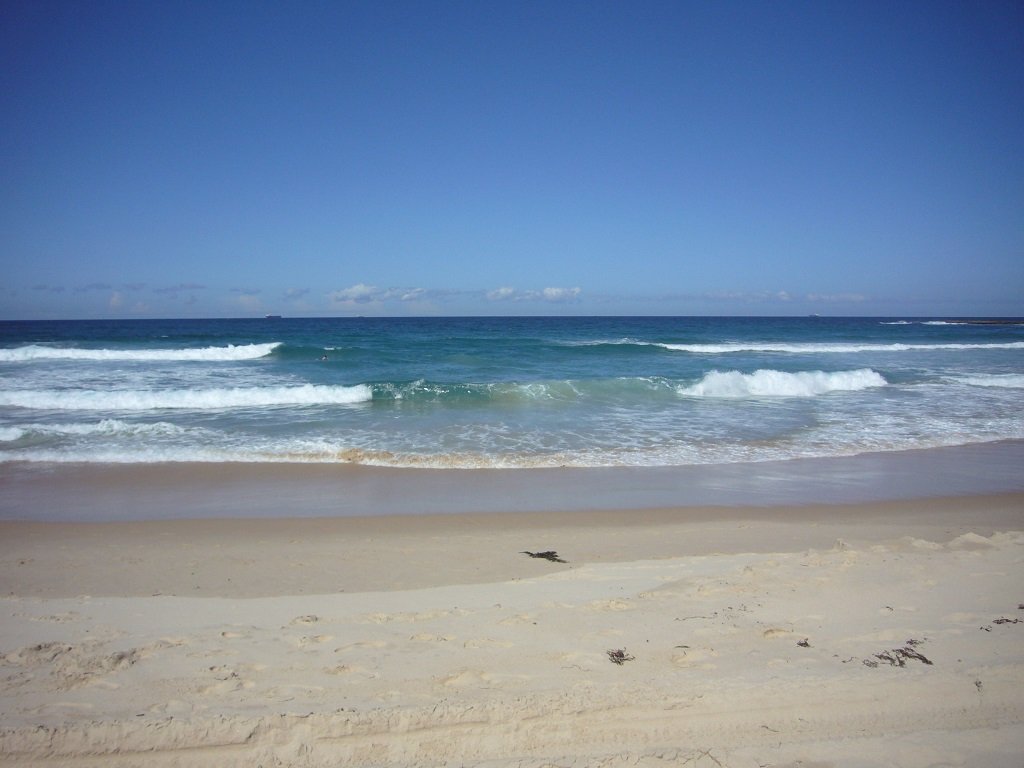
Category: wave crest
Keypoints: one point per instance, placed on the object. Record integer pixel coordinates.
(200, 399)
(231, 352)
(820, 348)
(771, 383)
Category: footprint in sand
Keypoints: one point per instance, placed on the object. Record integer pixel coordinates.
(522, 618)
(305, 641)
(228, 680)
(486, 642)
(72, 666)
(584, 661)
(57, 617)
(694, 658)
(465, 677)
(174, 708)
(409, 618)
(362, 645)
(289, 692)
(351, 669)
(608, 605)
(426, 637)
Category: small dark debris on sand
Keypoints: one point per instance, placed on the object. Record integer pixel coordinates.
(1000, 620)
(548, 555)
(805, 643)
(620, 657)
(898, 657)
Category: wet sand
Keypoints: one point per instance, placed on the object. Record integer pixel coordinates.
(107, 492)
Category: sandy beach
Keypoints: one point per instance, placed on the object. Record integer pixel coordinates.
(864, 634)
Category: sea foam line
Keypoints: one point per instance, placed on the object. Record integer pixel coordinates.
(819, 348)
(34, 352)
(770, 383)
(796, 348)
(1007, 380)
(105, 427)
(201, 399)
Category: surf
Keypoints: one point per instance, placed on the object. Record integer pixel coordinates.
(38, 352)
(771, 383)
(190, 399)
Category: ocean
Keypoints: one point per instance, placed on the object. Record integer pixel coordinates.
(503, 392)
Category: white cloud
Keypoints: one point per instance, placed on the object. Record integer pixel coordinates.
(175, 289)
(116, 300)
(769, 297)
(837, 297)
(362, 294)
(547, 294)
(748, 297)
(356, 294)
(502, 294)
(560, 294)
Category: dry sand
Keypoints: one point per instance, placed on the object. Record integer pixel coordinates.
(861, 635)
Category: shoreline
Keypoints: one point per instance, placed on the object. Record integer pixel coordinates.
(108, 492)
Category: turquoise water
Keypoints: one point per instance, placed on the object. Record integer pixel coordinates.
(503, 392)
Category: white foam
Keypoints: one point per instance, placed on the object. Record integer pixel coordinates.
(769, 383)
(109, 427)
(203, 354)
(924, 322)
(817, 348)
(10, 434)
(136, 455)
(201, 399)
(1008, 380)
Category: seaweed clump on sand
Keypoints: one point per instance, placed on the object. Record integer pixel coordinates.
(898, 657)
(547, 555)
(619, 656)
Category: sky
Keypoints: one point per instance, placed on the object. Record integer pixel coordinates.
(233, 159)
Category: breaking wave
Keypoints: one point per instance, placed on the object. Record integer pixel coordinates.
(799, 348)
(231, 352)
(769, 383)
(201, 399)
(820, 348)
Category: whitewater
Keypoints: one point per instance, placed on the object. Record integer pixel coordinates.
(504, 393)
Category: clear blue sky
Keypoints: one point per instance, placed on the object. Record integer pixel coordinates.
(212, 159)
